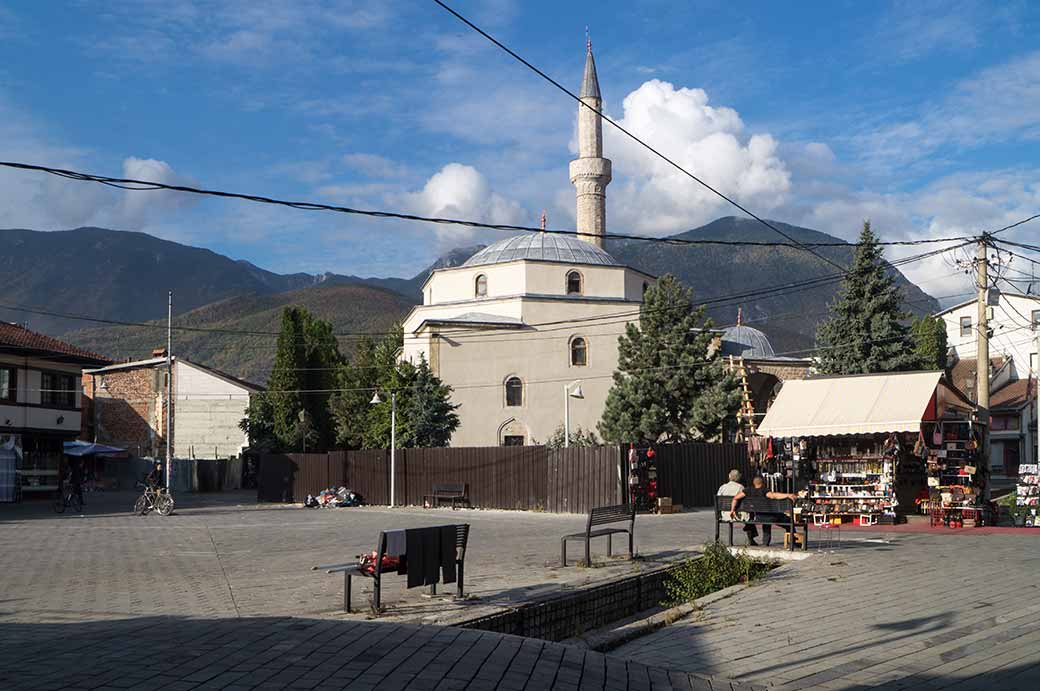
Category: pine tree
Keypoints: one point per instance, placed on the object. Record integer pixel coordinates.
(669, 385)
(428, 412)
(294, 411)
(930, 343)
(286, 379)
(865, 330)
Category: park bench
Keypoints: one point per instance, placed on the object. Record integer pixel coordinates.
(352, 569)
(452, 491)
(603, 515)
(759, 511)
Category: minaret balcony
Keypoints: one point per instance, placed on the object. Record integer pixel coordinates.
(586, 168)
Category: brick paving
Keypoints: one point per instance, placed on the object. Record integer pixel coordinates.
(220, 596)
(890, 611)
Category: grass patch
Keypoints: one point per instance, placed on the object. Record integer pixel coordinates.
(715, 569)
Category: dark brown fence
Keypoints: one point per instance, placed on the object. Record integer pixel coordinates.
(581, 478)
(691, 473)
(501, 477)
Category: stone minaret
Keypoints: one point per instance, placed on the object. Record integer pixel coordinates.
(590, 173)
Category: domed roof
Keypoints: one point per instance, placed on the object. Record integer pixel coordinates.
(745, 341)
(542, 247)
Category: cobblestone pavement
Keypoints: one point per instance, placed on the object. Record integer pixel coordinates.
(894, 611)
(219, 556)
(221, 596)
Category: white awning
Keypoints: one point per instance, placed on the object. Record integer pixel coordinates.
(858, 404)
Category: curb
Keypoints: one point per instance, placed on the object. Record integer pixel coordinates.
(608, 638)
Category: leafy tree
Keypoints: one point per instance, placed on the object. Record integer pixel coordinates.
(294, 412)
(425, 414)
(930, 344)
(670, 384)
(865, 330)
(579, 437)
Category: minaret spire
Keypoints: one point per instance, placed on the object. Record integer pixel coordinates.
(590, 173)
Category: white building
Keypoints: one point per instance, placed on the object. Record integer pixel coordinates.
(528, 324)
(129, 408)
(1013, 368)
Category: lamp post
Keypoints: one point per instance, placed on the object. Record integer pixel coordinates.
(572, 390)
(393, 438)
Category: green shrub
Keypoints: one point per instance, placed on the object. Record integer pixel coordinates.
(715, 569)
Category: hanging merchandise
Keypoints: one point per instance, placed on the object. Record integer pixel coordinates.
(956, 485)
(1027, 496)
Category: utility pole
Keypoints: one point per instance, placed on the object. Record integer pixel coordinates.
(169, 392)
(982, 351)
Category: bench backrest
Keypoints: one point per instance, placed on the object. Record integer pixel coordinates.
(601, 515)
(461, 540)
(753, 504)
(453, 488)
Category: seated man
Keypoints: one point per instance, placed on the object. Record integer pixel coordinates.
(758, 489)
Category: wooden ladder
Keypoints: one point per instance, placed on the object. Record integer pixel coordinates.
(747, 407)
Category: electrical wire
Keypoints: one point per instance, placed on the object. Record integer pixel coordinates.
(146, 185)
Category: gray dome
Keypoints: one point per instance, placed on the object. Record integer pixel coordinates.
(542, 247)
(745, 341)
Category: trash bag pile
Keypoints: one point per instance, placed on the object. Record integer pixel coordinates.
(333, 498)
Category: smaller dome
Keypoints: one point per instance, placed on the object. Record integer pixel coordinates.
(542, 247)
(745, 341)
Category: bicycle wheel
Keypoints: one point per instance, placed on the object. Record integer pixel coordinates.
(164, 505)
(141, 507)
(59, 503)
(76, 503)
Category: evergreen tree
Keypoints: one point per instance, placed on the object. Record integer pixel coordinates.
(864, 331)
(669, 382)
(428, 412)
(425, 414)
(930, 344)
(294, 410)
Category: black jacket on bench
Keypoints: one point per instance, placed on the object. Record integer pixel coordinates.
(429, 552)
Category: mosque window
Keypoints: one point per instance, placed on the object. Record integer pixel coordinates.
(574, 286)
(579, 352)
(480, 286)
(514, 392)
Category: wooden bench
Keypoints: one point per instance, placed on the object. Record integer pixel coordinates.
(452, 491)
(352, 569)
(759, 511)
(603, 515)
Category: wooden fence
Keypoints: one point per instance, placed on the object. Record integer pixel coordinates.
(502, 477)
(691, 473)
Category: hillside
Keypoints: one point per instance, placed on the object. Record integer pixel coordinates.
(715, 271)
(350, 308)
(125, 276)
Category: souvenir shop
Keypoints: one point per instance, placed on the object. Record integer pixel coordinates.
(872, 449)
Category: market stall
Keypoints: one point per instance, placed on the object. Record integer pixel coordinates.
(863, 448)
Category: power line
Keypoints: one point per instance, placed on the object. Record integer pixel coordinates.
(147, 185)
(634, 138)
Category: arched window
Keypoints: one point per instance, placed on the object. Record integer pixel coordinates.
(514, 392)
(480, 286)
(573, 283)
(579, 352)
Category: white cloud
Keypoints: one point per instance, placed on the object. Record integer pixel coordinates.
(461, 191)
(139, 206)
(651, 196)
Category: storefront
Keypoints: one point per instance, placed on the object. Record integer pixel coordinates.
(872, 449)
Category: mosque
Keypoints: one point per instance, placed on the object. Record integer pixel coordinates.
(526, 330)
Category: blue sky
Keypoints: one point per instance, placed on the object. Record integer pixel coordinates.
(924, 117)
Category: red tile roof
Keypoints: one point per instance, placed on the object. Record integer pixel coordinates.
(1013, 396)
(20, 338)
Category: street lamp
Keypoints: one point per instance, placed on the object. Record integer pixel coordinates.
(376, 400)
(572, 390)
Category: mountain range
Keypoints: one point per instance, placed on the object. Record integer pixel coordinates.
(125, 276)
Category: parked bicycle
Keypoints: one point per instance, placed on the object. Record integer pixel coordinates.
(68, 496)
(154, 499)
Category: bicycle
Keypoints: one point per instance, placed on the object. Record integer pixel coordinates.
(154, 499)
(68, 496)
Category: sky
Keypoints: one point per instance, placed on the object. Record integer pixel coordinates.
(923, 117)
